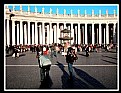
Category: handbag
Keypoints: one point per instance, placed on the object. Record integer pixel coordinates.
(45, 61)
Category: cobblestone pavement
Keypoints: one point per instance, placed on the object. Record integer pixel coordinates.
(98, 71)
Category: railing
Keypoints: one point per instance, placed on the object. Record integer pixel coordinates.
(39, 14)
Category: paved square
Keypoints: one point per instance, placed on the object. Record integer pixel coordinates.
(98, 71)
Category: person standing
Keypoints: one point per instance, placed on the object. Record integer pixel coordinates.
(70, 60)
(87, 51)
(38, 50)
(45, 65)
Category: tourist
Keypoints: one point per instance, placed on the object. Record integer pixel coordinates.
(70, 60)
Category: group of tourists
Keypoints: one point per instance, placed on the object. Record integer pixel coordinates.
(45, 52)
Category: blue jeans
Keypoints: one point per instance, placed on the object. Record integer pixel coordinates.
(42, 74)
(70, 69)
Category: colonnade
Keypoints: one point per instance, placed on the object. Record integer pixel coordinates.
(28, 32)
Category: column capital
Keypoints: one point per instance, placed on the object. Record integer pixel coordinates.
(13, 20)
(43, 21)
(36, 21)
(114, 23)
(107, 23)
(100, 23)
(57, 22)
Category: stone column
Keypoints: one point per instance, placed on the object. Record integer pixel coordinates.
(28, 32)
(61, 34)
(79, 34)
(54, 27)
(64, 25)
(8, 33)
(69, 28)
(93, 34)
(107, 33)
(72, 33)
(100, 34)
(76, 33)
(85, 33)
(58, 33)
(51, 33)
(33, 34)
(36, 34)
(13, 32)
(40, 34)
(48, 35)
(104, 37)
(25, 34)
(97, 37)
(43, 33)
(17, 34)
(114, 33)
(21, 32)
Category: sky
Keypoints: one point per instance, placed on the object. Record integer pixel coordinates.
(68, 7)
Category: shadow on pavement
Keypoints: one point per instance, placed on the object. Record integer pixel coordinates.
(109, 57)
(95, 84)
(22, 55)
(70, 84)
(7, 55)
(12, 54)
(82, 54)
(108, 61)
(46, 84)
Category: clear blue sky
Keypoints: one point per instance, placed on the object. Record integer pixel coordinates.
(68, 7)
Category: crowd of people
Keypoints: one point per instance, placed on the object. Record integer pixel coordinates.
(67, 50)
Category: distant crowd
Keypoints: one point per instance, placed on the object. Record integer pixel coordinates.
(58, 47)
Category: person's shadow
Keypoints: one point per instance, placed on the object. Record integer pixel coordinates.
(70, 84)
(65, 77)
(46, 83)
(89, 80)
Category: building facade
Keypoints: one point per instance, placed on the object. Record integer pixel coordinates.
(28, 28)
